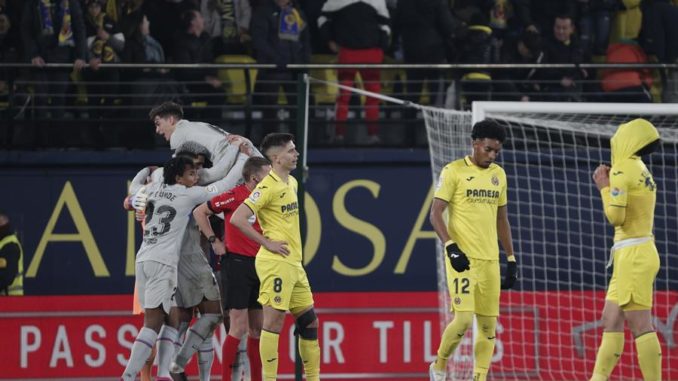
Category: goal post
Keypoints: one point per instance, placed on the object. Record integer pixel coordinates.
(549, 325)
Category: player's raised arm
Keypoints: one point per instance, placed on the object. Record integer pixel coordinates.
(614, 202)
(240, 220)
(140, 179)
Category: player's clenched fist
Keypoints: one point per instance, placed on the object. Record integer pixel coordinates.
(458, 259)
(511, 273)
(601, 176)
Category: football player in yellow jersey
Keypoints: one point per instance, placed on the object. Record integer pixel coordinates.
(284, 285)
(629, 196)
(473, 190)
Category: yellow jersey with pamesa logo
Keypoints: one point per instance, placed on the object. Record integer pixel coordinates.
(473, 195)
(277, 208)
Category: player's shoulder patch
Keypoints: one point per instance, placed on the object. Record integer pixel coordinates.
(212, 188)
(255, 195)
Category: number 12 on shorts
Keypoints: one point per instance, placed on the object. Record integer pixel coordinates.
(461, 283)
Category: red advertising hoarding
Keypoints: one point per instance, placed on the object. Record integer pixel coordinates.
(546, 335)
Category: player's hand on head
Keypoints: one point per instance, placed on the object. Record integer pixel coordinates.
(246, 148)
(278, 247)
(458, 258)
(233, 137)
(511, 276)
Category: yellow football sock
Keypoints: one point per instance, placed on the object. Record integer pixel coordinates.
(484, 346)
(609, 352)
(310, 355)
(268, 350)
(649, 356)
(452, 336)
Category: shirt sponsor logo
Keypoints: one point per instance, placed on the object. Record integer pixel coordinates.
(488, 193)
(482, 196)
(291, 207)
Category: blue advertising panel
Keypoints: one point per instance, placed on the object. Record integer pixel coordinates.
(366, 216)
(368, 228)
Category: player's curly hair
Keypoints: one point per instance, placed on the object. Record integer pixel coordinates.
(166, 109)
(174, 167)
(488, 129)
(197, 149)
(275, 139)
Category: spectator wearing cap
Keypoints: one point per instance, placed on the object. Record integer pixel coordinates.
(476, 48)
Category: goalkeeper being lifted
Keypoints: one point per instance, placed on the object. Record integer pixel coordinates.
(629, 196)
(473, 189)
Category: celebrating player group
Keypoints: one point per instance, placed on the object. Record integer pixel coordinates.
(212, 172)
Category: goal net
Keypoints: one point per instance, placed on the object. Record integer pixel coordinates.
(549, 326)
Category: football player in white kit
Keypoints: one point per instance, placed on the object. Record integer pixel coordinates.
(168, 209)
(196, 285)
(168, 120)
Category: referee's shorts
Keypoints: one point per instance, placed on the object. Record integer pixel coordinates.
(239, 281)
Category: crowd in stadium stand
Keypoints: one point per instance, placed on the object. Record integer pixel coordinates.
(283, 32)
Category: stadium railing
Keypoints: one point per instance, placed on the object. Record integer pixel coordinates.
(112, 114)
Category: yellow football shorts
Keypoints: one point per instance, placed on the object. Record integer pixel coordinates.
(632, 283)
(284, 286)
(475, 290)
